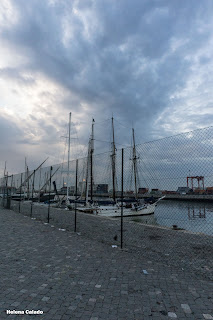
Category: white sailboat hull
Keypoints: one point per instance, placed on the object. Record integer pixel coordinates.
(116, 211)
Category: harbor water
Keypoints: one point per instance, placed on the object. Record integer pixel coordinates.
(192, 216)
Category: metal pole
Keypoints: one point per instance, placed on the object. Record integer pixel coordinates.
(25, 177)
(20, 195)
(122, 196)
(11, 186)
(91, 161)
(39, 187)
(134, 158)
(7, 190)
(28, 185)
(4, 185)
(48, 217)
(68, 166)
(113, 160)
(76, 189)
(32, 193)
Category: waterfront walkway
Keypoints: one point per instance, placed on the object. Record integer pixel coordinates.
(67, 276)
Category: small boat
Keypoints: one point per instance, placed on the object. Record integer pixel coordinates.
(136, 210)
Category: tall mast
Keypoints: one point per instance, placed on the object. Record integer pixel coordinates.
(5, 168)
(113, 159)
(68, 166)
(29, 176)
(25, 178)
(134, 159)
(91, 159)
(87, 173)
(5, 173)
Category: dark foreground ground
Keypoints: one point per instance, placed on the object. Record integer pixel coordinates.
(70, 276)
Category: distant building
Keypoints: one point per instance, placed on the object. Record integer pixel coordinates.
(82, 186)
(169, 192)
(143, 190)
(64, 190)
(96, 188)
(129, 192)
(183, 190)
(9, 190)
(199, 191)
(209, 190)
(101, 188)
(156, 191)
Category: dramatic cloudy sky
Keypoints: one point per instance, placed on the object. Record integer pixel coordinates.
(147, 62)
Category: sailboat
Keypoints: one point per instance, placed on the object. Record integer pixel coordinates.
(140, 208)
(137, 207)
(23, 191)
(89, 206)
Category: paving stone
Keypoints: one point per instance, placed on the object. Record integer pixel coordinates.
(186, 308)
(15, 304)
(45, 299)
(23, 291)
(207, 316)
(172, 315)
(72, 277)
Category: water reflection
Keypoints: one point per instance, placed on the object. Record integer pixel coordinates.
(196, 213)
(192, 216)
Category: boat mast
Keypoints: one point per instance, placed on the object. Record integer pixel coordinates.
(68, 166)
(25, 178)
(39, 186)
(113, 159)
(87, 174)
(134, 159)
(91, 159)
(5, 173)
(5, 168)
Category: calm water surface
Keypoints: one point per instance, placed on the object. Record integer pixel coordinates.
(192, 216)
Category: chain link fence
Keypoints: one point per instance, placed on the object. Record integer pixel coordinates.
(114, 199)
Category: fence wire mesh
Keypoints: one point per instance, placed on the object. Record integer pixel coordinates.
(177, 229)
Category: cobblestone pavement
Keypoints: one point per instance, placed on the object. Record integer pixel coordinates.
(192, 252)
(68, 276)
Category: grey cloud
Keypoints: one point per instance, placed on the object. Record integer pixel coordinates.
(125, 65)
(15, 75)
(9, 131)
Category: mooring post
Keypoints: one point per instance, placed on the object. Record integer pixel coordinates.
(76, 190)
(122, 195)
(48, 217)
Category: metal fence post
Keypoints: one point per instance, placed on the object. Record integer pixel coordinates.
(48, 216)
(11, 188)
(7, 192)
(122, 195)
(19, 208)
(76, 190)
(31, 213)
